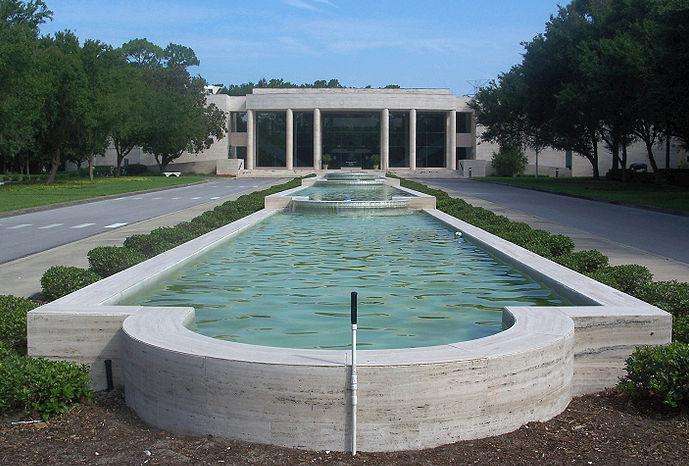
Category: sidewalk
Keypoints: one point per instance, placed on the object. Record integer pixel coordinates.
(22, 277)
(662, 268)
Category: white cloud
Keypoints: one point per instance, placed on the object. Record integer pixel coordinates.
(301, 4)
(311, 5)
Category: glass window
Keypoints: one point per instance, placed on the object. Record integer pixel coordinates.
(270, 139)
(568, 159)
(463, 122)
(399, 139)
(430, 139)
(464, 153)
(351, 139)
(241, 152)
(238, 122)
(303, 139)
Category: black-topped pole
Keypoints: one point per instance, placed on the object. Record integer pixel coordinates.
(354, 307)
(353, 380)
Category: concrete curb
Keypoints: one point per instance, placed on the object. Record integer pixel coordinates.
(603, 201)
(29, 210)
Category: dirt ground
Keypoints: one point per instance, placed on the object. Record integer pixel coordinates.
(595, 429)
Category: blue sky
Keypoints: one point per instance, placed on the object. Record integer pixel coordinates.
(376, 42)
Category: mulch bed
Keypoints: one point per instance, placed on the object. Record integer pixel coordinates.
(595, 429)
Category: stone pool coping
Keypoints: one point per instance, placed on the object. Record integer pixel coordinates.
(190, 383)
(416, 200)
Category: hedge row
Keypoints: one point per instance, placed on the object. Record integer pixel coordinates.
(672, 296)
(33, 385)
(660, 373)
(107, 260)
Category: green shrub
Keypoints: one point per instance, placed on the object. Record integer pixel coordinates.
(509, 162)
(660, 373)
(174, 235)
(60, 281)
(584, 261)
(629, 278)
(135, 169)
(146, 245)
(672, 296)
(680, 329)
(560, 245)
(108, 260)
(40, 385)
(13, 321)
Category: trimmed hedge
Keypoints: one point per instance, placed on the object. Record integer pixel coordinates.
(659, 373)
(36, 385)
(672, 296)
(108, 260)
(13, 322)
(629, 278)
(104, 261)
(680, 329)
(586, 261)
(59, 281)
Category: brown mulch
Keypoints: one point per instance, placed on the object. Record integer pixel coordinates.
(595, 429)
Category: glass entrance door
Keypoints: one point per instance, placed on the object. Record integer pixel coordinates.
(351, 139)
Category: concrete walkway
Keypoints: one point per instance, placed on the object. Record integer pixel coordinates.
(626, 235)
(21, 277)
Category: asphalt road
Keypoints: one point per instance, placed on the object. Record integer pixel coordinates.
(22, 235)
(658, 233)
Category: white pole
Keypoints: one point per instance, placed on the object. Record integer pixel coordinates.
(353, 382)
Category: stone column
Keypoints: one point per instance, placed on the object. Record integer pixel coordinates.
(289, 139)
(250, 140)
(451, 140)
(317, 138)
(384, 139)
(412, 139)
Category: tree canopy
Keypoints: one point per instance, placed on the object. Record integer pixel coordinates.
(605, 72)
(67, 100)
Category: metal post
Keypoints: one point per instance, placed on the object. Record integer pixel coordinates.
(108, 374)
(353, 381)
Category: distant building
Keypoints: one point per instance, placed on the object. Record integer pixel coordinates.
(428, 131)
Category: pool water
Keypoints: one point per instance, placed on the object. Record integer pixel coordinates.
(286, 282)
(344, 192)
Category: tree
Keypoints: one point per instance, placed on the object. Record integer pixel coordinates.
(182, 122)
(557, 99)
(177, 118)
(102, 65)
(278, 83)
(501, 109)
(130, 95)
(21, 84)
(66, 100)
(672, 40)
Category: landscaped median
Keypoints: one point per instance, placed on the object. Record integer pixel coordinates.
(22, 195)
(44, 387)
(662, 196)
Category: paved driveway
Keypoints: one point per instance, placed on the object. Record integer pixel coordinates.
(658, 233)
(22, 235)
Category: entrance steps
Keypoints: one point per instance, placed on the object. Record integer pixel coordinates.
(426, 173)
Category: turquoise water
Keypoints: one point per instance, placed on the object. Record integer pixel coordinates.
(286, 283)
(344, 192)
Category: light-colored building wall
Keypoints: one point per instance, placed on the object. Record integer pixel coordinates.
(549, 158)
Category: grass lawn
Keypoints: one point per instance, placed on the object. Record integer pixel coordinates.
(635, 193)
(22, 196)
